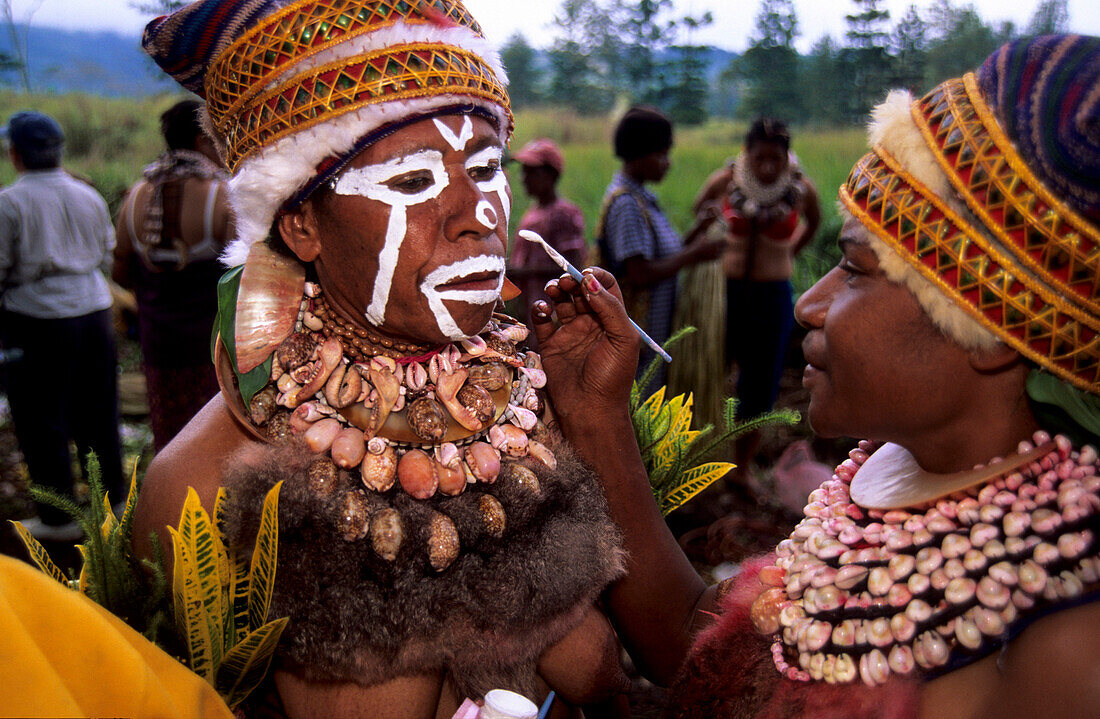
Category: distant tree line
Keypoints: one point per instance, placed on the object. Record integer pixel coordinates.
(618, 51)
(611, 50)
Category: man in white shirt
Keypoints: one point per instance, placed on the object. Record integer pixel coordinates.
(56, 239)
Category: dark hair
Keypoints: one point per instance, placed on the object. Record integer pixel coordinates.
(767, 129)
(180, 125)
(642, 131)
(40, 158)
(36, 138)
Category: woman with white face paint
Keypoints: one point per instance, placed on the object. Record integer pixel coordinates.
(437, 537)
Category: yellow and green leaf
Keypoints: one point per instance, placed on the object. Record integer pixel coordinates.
(82, 580)
(236, 621)
(38, 553)
(109, 521)
(192, 620)
(203, 548)
(261, 578)
(236, 574)
(218, 524)
(692, 482)
(246, 664)
(131, 498)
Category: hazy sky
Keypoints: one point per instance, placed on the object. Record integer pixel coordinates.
(733, 19)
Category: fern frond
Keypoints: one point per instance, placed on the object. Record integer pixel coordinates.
(729, 413)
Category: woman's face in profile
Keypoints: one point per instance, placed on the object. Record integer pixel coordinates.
(412, 236)
(876, 365)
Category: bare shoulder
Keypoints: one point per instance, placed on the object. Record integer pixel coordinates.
(1050, 671)
(195, 458)
(1053, 668)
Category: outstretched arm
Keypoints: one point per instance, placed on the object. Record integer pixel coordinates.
(590, 352)
(641, 272)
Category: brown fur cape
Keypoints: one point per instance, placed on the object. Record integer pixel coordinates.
(485, 619)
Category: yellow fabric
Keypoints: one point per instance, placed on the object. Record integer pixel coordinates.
(65, 656)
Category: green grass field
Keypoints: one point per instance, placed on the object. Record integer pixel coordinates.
(110, 140)
(826, 156)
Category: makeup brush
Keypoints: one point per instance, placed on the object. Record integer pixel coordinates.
(576, 274)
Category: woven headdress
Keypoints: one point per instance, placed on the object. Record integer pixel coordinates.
(983, 197)
(295, 88)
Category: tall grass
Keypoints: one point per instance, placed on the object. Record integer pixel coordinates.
(107, 140)
(110, 140)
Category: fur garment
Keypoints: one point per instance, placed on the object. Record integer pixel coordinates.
(730, 673)
(485, 620)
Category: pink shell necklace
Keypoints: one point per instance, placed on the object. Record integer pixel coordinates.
(860, 593)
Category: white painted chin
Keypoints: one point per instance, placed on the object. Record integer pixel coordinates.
(442, 276)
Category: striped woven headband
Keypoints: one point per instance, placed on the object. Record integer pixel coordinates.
(1025, 309)
(395, 73)
(1043, 234)
(300, 31)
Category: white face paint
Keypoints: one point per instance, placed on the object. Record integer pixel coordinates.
(385, 182)
(454, 272)
(465, 134)
(498, 183)
(382, 182)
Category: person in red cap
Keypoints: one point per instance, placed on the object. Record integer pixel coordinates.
(558, 220)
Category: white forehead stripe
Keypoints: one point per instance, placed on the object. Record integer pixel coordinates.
(456, 271)
(459, 141)
(372, 182)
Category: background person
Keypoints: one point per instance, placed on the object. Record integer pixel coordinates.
(55, 244)
(173, 225)
(556, 219)
(769, 212)
(952, 571)
(636, 239)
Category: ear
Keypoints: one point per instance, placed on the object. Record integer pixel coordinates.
(299, 231)
(995, 359)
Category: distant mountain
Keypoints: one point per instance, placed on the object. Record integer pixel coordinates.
(113, 64)
(98, 63)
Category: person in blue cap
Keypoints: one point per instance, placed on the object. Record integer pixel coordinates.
(56, 239)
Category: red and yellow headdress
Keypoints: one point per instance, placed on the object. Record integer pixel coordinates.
(293, 86)
(983, 198)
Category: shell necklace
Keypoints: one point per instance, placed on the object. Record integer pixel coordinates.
(432, 423)
(767, 203)
(858, 593)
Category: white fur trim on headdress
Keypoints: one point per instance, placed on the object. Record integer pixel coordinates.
(892, 127)
(266, 180)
